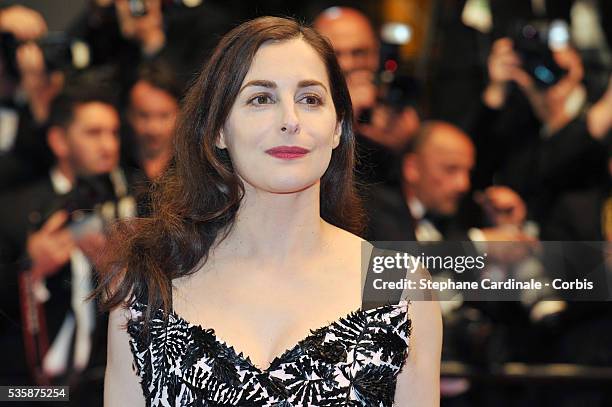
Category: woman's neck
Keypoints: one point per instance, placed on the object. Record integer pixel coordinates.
(279, 228)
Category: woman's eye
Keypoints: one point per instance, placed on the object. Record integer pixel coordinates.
(261, 100)
(311, 100)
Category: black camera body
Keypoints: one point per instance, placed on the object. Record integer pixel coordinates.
(532, 41)
(396, 90)
(139, 8)
(59, 51)
(85, 204)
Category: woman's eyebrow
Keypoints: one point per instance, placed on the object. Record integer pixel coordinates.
(311, 82)
(259, 82)
(272, 85)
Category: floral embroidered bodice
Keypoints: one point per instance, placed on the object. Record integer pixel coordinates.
(353, 361)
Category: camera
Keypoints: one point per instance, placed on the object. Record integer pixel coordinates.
(91, 204)
(139, 8)
(397, 91)
(534, 42)
(59, 51)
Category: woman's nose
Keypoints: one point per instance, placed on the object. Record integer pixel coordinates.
(290, 123)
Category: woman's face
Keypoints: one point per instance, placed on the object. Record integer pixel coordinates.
(282, 127)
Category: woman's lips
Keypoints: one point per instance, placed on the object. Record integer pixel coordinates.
(287, 152)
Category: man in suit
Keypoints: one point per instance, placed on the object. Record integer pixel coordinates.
(430, 207)
(432, 204)
(47, 250)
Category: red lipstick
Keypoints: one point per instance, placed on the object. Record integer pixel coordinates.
(287, 152)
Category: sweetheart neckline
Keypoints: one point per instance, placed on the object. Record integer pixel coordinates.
(243, 356)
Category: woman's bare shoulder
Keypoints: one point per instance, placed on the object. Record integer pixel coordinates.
(348, 249)
(346, 238)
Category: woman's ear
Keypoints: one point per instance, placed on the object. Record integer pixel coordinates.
(220, 143)
(337, 134)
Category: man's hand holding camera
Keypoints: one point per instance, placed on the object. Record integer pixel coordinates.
(552, 105)
(50, 247)
(39, 85)
(386, 126)
(549, 105)
(147, 29)
(504, 66)
(503, 206)
(507, 212)
(362, 90)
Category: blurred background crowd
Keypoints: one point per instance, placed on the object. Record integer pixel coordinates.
(476, 121)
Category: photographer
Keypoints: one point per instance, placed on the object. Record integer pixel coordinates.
(541, 139)
(50, 233)
(125, 33)
(381, 131)
(27, 87)
(151, 114)
(151, 118)
(435, 169)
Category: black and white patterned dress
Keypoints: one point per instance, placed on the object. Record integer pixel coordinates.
(353, 361)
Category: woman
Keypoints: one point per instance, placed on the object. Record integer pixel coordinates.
(247, 238)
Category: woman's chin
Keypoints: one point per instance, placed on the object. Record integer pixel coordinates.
(290, 186)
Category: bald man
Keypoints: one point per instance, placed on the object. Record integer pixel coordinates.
(357, 49)
(352, 37)
(381, 131)
(436, 177)
(437, 171)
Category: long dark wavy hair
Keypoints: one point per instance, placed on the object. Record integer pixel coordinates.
(194, 203)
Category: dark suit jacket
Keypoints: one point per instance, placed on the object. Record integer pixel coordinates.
(30, 157)
(388, 215)
(577, 216)
(389, 218)
(587, 326)
(15, 224)
(21, 212)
